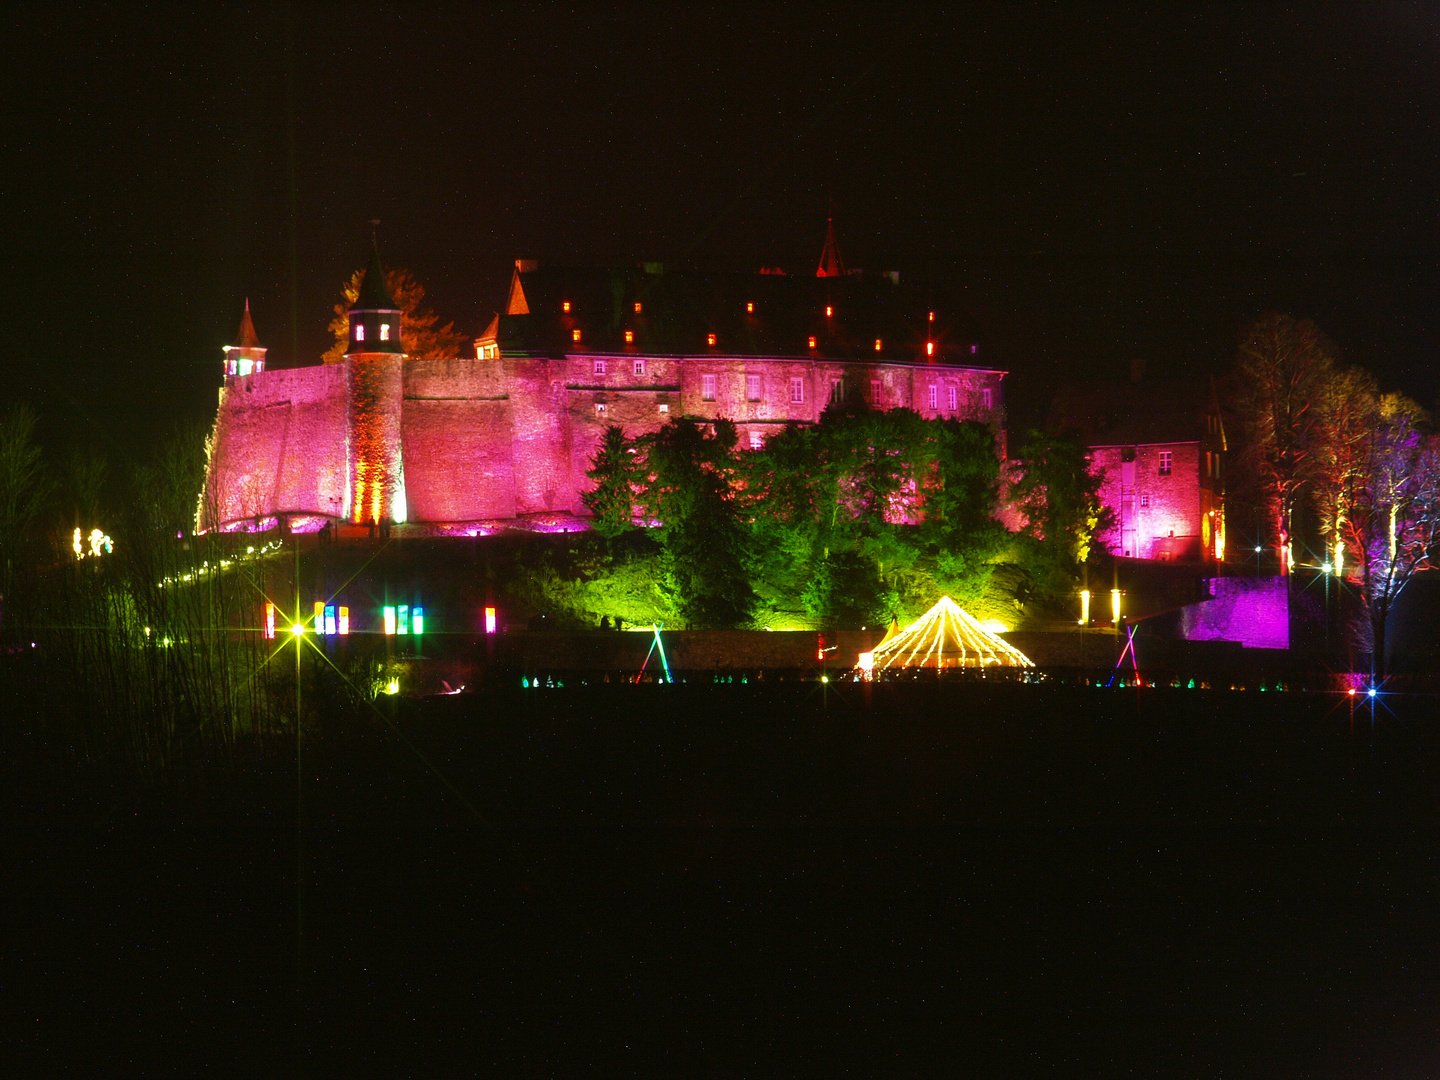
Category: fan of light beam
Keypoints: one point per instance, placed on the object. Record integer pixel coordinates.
(945, 637)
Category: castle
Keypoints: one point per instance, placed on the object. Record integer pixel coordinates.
(503, 439)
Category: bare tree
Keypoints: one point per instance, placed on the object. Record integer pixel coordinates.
(1283, 369)
(23, 490)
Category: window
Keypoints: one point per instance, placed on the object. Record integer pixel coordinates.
(600, 408)
(952, 397)
(1144, 501)
(829, 311)
(752, 387)
(877, 392)
(812, 343)
(1167, 462)
(244, 365)
(986, 398)
(360, 331)
(797, 390)
(707, 387)
(837, 391)
(599, 367)
(629, 337)
(575, 335)
(879, 345)
(929, 348)
(384, 331)
(709, 339)
(565, 307)
(932, 396)
(750, 308)
(664, 409)
(639, 367)
(756, 440)
(637, 307)
(974, 349)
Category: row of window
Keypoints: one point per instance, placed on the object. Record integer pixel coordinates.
(710, 339)
(384, 331)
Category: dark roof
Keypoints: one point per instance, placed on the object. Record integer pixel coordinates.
(246, 338)
(678, 312)
(374, 291)
(1117, 412)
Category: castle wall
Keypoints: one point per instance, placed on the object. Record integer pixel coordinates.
(456, 433)
(1157, 516)
(279, 446)
(540, 435)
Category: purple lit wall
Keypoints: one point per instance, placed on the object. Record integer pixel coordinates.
(1252, 611)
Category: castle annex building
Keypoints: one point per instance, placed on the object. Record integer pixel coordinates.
(503, 439)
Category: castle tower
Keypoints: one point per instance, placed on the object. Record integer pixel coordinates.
(831, 265)
(375, 385)
(246, 356)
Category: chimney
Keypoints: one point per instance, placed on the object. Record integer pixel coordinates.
(1137, 369)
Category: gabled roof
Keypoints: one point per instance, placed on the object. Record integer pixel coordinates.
(374, 290)
(246, 337)
(1117, 412)
(750, 315)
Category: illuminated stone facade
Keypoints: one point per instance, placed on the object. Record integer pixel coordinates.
(503, 439)
(1158, 447)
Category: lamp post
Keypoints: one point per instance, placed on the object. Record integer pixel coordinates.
(1329, 569)
(1258, 550)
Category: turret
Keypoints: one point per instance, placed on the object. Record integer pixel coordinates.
(374, 318)
(246, 356)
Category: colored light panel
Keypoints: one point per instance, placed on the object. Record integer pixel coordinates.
(402, 619)
(1084, 606)
(417, 620)
(389, 613)
(319, 616)
(1115, 604)
(490, 620)
(330, 626)
(269, 630)
(343, 623)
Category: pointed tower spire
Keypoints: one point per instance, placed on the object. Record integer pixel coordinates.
(247, 355)
(831, 265)
(374, 317)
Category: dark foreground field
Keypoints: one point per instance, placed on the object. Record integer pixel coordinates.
(744, 881)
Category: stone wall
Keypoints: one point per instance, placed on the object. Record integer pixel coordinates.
(1160, 515)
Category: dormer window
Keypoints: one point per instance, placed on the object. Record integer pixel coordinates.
(360, 331)
(565, 307)
(384, 331)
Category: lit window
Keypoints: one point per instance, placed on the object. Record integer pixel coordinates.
(929, 347)
(384, 331)
(245, 366)
(878, 345)
(812, 343)
(709, 339)
(952, 398)
(565, 307)
(756, 440)
(599, 367)
(797, 389)
(639, 367)
(707, 387)
(829, 311)
(974, 349)
(664, 409)
(986, 398)
(933, 397)
(637, 307)
(575, 335)
(600, 407)
(1144, 500)
(932, 316)
(837, 390)
(877, 392)
(629, 337)
(1167, 462)
(359, 331)
(750, 308)
(752, 387)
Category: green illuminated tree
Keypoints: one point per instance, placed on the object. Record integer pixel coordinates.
(1060, 497)
(421, 334)
(612, 501)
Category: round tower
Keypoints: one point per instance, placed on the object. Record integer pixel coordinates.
(375, 383)
(247, 355)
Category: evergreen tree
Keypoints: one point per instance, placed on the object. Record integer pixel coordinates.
(612, 500)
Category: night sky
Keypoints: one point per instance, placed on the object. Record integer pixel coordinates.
(1093, 187)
